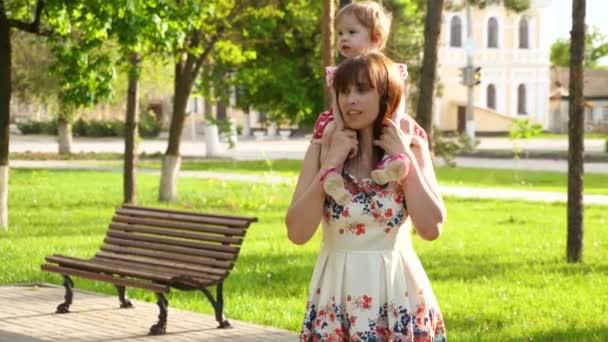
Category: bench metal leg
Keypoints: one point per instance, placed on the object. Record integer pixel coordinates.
(161, 327)
(69, 293)
(218, 306)
(124, 302)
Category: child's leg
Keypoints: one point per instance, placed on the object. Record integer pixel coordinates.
(333, 184)
(331, 180)
(391, 169)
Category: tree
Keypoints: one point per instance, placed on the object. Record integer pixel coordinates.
(86, 71)
(140, 29)
(12, 16)
(575, 134)
(327, 32)
(596, 48)
(432, 28)
(285, 80)
(205, 27)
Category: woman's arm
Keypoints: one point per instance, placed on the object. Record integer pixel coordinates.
(306, 208)
(424, 201)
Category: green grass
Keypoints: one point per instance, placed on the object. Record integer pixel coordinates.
(594, 183)
(498, 270)
(458, 176)
(588, 135)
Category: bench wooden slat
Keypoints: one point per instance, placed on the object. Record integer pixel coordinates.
(107, 278)
(178, 234)
(153, 261)
(154, 268)
(219, 251)
(157, 249)
(88, 265)
(168, 256)
(168, 248)
(217, 220)
(248, 219)
(178, 225)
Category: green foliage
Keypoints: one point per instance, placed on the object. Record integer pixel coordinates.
(38, 127)
(284, 79)
(522, 129)
(514, 5)
(606, 145)
(149, 126)
(596, 48)
(447, 147)
(86, 128)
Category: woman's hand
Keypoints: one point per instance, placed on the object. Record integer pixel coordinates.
(337, 144)
(396, 139)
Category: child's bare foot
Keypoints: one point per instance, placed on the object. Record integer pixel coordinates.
(334, 187)
(393, 171)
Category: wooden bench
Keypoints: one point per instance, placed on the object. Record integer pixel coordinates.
(156, 250)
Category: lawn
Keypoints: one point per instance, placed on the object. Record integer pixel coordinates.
(455, 176)
(498, 270)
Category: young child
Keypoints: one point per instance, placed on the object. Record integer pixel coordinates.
(363, 27)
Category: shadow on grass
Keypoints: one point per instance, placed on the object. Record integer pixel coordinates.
(574, 334)
(273, 275)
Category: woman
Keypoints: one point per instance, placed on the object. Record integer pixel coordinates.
(368, 283)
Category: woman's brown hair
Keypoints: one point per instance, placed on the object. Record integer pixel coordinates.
(371, 70)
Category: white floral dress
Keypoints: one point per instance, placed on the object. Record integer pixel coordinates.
(368, 284)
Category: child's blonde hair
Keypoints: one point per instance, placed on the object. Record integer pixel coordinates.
(372, 16)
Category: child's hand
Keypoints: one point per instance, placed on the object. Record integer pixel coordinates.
(337, 144)
(395, 139)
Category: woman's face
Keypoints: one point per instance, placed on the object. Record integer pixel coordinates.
(359, 104)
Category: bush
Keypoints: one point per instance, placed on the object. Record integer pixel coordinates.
(606, 146)
(84, 128)
(149, 126)
(38, 127)
(447, 147)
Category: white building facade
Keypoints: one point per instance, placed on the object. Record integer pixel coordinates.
(512, 50)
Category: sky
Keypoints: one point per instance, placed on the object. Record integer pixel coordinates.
(561, 10)
(595, 15)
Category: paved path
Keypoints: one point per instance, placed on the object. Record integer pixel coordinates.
(27, 314)
(464, 192)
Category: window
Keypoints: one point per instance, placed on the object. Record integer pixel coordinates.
(492, 33)
(523, 34)
(521, 100)
(456, 32)
(491, 96)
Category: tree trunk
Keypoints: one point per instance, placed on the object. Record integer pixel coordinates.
(168, 178)
(327, 29)
(575, 134)
(5, 100)
(64, 136)
(131, 132)
(181, 90)
(432, 29)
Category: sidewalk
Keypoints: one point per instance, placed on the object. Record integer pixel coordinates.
(27, 314)
(464, 192)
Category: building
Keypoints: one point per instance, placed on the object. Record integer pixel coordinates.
(595, 94)
(512, 50)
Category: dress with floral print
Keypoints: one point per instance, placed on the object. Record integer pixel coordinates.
(368, 283)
